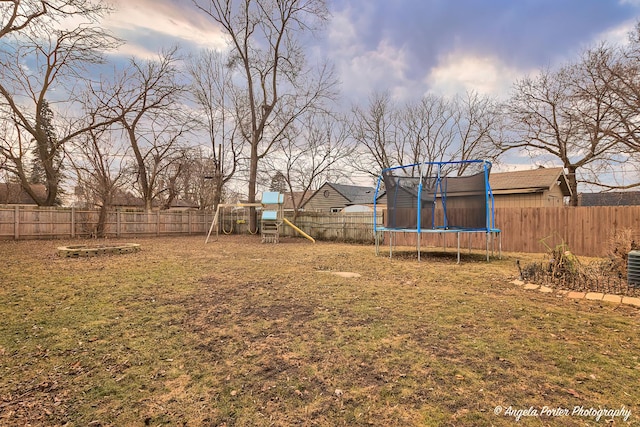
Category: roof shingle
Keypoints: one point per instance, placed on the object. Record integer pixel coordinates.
(619, 198)
(356, 194)
(13, 193)
(529, 180)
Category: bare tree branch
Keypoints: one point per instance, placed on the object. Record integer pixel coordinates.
(39, 68)
(270, 63)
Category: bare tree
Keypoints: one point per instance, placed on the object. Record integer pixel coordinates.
(99, 165)
(374, 130)
(274, 84)
(19, 16)
(432, 129)
(313, 153)
(211, 88)
(43, 69)
(146, 97)
(564, 114)
(428, 131)
(621, 70)
(194, 184)
(601, 115)
(618, 68)
(478, 127)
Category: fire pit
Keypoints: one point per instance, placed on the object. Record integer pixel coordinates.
(76, 251)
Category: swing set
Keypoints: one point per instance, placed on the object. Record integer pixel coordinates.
(238, 215)
(271, 219)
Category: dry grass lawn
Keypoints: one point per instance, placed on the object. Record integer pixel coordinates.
(238, 333)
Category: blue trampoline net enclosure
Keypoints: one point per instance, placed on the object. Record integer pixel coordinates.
(438, 196)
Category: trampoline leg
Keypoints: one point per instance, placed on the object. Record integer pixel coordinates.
(493, 244)
(377, 240)
(458, 234)
(418, 246)
(487, 248)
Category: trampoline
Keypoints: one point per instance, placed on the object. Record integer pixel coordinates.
(438, 197)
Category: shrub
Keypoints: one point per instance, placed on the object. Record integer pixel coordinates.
(620, 244)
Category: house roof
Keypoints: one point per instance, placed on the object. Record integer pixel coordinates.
(14, 194)
(518, 182)
(128, 200)
(179, 203)
(619, 198)
(528, 181)
(355, 194)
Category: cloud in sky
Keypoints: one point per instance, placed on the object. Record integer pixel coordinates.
(411, 47)
(148, 26)
(458, 72)
(448, 46)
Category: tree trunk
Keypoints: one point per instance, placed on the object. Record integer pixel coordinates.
(573, 185)
(148, 203)
(253, 176)
(102, 221)
(52, 193)
(217, 195)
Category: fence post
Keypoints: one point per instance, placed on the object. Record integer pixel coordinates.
(158, 223)
(189, 220)
(118, 220)
(344, 228)
(73, 222)
(16, 223)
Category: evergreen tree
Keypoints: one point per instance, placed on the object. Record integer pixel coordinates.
(278, 183)
(46, 150)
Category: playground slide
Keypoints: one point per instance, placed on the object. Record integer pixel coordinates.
(290, 224)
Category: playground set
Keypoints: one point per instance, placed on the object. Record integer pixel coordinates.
(437, 197)
(271, 217)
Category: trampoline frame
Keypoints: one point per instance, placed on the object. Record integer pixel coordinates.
(490, 229)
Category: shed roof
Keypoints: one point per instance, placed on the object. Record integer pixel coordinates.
(529, 181)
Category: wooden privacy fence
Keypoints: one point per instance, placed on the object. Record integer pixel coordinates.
(26, 222)
(344, 227)
(19, 222)
(586, 230)
(347, 227)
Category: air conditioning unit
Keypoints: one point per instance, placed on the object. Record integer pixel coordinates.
(633, 269)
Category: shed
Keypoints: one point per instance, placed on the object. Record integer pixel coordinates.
(541, 187)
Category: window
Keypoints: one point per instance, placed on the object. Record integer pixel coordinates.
(336, 210)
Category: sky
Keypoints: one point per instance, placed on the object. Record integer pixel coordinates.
(410, 47)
